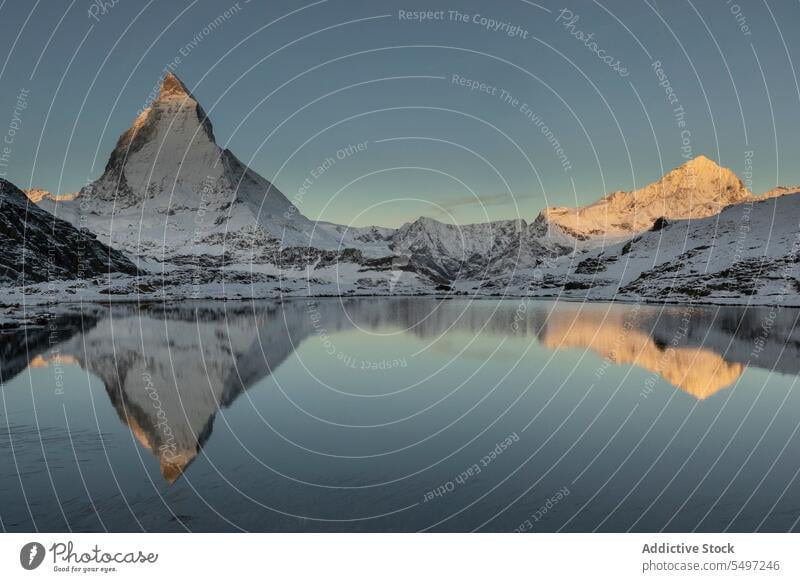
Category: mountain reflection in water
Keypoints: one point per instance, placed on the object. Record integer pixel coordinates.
(615, 336)
(183, 363)
(168, 370)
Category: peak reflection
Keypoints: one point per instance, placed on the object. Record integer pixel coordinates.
(169, 370)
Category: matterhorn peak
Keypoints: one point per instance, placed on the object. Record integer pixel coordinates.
(169, 189)
(170, 145)
(172, 87)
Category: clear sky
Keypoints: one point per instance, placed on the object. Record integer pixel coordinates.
(561, 119)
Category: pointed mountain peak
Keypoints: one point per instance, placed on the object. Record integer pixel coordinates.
(701, 173)
(702, 164)
(172, 87)
(173, 132)
(701, 160)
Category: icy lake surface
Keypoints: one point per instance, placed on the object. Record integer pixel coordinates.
(402, 414)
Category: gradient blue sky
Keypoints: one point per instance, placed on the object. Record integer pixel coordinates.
(285, 96)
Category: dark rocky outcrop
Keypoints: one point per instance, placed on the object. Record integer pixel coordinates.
(37, 247)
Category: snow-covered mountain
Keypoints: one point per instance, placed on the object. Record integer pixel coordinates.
(37, 247)
(449, 252)
(170, 192)
(696, 189)
(747, 253)
(372, 241)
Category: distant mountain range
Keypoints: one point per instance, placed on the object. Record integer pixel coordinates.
(197, 221)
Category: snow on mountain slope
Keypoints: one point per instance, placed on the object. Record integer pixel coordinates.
(696, 189)
(38, 247)
(170, 192)
(750, 249)
(449, 252)
(373, 241)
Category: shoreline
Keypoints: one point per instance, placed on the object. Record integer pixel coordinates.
(25, 312)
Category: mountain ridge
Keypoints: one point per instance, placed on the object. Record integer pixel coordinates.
(747, 253)
(696, 189)
(170, 193)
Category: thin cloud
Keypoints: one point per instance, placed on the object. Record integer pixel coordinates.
(483, 201)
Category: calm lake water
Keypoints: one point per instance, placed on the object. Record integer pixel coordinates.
(402, 415)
